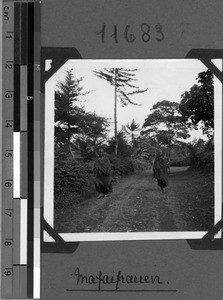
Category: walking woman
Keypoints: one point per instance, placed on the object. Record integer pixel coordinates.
(102, 170)
(160, 170)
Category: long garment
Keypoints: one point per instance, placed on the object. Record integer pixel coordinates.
(160, 167)
(103, 180)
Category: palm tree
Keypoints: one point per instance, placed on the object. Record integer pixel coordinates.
(131, 129)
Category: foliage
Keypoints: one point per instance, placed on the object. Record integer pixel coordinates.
(72, 178)
(67, 113)
(180, 155)
(94, 126)
(121, 165)
(147, 148)
(131, 129)
(198, 103)
(124, 148)
(77, 135)
(122, 79)
(140, 164)
(80, 130)
(165, 124)
(202, 154)
(92, 134)
(70, 174)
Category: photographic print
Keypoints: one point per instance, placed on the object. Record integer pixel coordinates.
(130, 149)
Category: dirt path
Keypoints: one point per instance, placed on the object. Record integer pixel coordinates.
(137, 204)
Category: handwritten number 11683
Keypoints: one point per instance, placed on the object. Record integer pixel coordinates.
(147, 33)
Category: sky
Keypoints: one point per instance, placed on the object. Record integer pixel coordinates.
(165, 80)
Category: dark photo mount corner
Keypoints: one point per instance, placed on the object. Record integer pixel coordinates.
(208, 242)
(59, 55)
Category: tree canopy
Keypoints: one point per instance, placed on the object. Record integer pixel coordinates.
(67, 113)
(123, 80)
(165, 124)
(198, 103)
(75, 128)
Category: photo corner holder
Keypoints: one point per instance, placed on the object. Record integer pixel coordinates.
(208, 242)
(58, 57)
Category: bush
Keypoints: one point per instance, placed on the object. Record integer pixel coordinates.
(202, 160)
(141, 164)
(179, 155)
(71, 176)
(73, 180)
(179, 161)
(202, 155)
(121, 165)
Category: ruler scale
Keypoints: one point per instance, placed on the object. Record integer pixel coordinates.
(18, 49)
(7, 156)
(20, 216)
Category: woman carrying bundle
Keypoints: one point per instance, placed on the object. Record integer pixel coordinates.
(102, 170)
(161, 169)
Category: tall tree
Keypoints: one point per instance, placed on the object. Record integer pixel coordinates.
(198, 103)
(124, 88)
(166, 124)
(67, 114)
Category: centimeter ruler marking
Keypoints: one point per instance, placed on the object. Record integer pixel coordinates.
(19, 287)
(7, 159)
(21, 153)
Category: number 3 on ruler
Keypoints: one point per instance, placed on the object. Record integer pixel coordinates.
(6, 13)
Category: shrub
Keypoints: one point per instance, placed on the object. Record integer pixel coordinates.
(179, 161)
(202, 155)
(141, 164)
(121, 165)
(71, 176)
(73, 180)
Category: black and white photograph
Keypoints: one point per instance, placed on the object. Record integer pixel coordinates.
(131, 148)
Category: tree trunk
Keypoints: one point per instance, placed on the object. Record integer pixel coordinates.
(169, 143)
(94, 144)
(115, 117)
